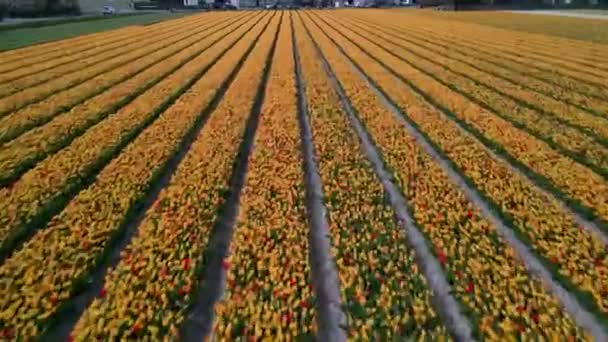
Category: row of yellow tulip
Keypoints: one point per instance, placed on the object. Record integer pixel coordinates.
(47, 270)
(563, 104)
(60, 175)
(554, 34)
(158, 270)
(510, 192)
(268, 292)
(385, 295)
(490, 282)
(481, 88)
(24, 151)
(576, 181)
(539, 113)
(21, 78)
(535, 215)
(26, 56)
(558, 59)
(85, 76)
(575, 89)
(30, 55)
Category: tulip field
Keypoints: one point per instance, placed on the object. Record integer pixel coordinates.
(305, 175)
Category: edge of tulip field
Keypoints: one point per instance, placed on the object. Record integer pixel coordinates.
(584, 311)
(36, 99)
(556, 146)
(60, 325)
(445, 304)
(123, 41)
(58, 203)
(553, 66)
(203, 27)
(331, 319)
(538, 77)
(520, 102)
(67, 139)
(38, 49)
(581, 212)
(212, 278)
(17, 132)
(587, 110)
(82, 46)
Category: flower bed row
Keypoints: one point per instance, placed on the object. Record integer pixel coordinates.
(536, 93)
(573, 252)
(158, 270)
(23, 152)
(50, 267)
(488, 60)
(86, 75)
(30, 55)
(580, 184)
(559, 59)
(478, 88)
(577, 89)
(52, 68)
(268, 293)
(384, 294)
(44, 70)
(492, 285)
(24, 57)
(58, 177)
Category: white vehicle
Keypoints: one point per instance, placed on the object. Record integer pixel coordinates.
(108, 10)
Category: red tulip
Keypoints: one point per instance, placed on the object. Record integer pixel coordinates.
(469, 288)
(470, 214)
(102, 293)
(7, 333)
(441, 256)
(553, 260)
(347, 257)
(287, 318)
(225, 264)
(186, 264)
(163, 272)
(535, 318)
(184, 290)
(136, 327)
